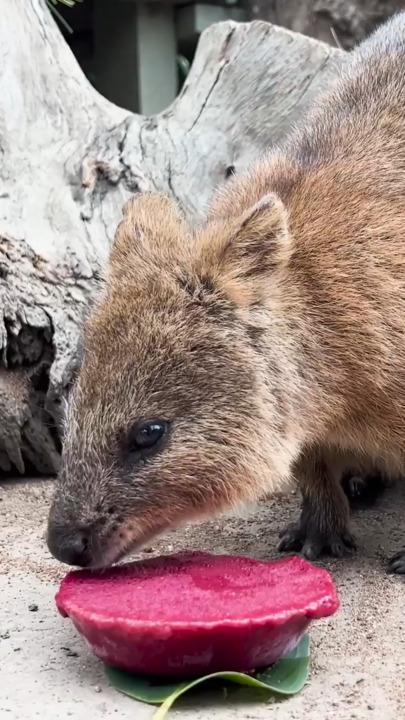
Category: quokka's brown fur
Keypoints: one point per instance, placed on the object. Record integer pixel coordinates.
(271, 339)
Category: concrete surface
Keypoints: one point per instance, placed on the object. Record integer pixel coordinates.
(358, 658)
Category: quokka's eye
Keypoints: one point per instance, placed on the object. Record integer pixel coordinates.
(145, 437)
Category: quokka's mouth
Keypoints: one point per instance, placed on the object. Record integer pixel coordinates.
(123, 543)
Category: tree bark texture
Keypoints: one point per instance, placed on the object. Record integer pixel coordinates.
(345, 22)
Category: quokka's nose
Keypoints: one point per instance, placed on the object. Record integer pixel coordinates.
(72, 548)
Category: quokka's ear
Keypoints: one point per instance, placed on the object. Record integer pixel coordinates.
(256, 243)
(152, 232)
(260, 235)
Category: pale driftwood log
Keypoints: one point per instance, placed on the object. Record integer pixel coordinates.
(69, 160)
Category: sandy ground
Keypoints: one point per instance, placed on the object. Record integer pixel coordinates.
(358, 657)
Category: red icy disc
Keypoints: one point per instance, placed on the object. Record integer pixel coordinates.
(192, 614)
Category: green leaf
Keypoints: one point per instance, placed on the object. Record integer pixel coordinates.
(287, 677)
(141, 688)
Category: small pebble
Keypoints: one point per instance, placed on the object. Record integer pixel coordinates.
(5, 635)
(33, 607)
(69, 652)
(97, 689)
